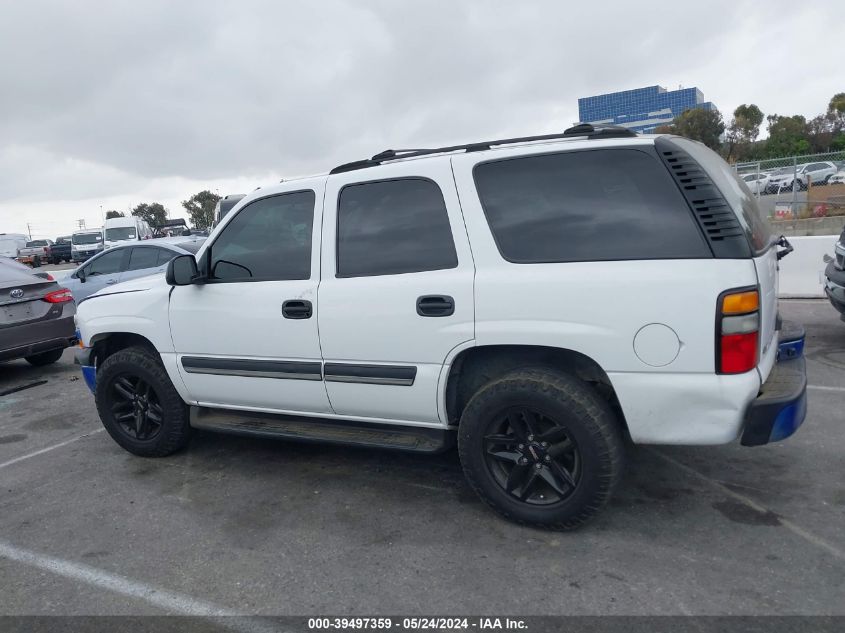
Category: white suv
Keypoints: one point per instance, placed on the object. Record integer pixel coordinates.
(540, 300)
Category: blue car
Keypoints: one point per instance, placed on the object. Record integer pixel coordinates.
(122, 263)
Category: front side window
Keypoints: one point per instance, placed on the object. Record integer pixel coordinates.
(392, 227)
(268, 240)
(597, 205)
(106, 264)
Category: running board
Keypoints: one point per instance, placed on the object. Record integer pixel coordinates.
(300, 428)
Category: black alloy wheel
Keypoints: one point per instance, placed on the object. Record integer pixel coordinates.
(136, 407)
(532, 457)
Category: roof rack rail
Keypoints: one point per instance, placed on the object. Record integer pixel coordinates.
(587, 130)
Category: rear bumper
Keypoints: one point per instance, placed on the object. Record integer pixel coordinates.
(35, 338)
(834, 288)
(780, 407)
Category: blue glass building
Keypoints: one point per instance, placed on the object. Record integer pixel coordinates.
(642, 109)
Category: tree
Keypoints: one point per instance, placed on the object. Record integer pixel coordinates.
(743, 131)
(114, 214)
(788, 136)
(837, 104)
(700, 125)
(200, 206)
(153, 212)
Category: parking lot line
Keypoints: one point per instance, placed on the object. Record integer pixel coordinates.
(789, 525)
(168, 600)
(48, 449)
(172, 602)
(823, 388)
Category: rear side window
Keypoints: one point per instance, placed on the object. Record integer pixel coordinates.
(391, 227)
(596, 205)
(735, 191)
(143, 257)
(165, 256)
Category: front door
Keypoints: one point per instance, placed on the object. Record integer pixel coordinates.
(100, 272)
(248, 338)
(396, 293)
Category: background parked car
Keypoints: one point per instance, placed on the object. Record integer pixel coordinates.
(85, 244)
(11, 243)
(801, 176)
(757, 182)
(62, 250)
(837, 179)
(122, 230)
(125, 262)
(35, 253)
(37, 316)
(817, 173)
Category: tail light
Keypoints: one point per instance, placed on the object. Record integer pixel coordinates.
(62, 295)
(737, 332)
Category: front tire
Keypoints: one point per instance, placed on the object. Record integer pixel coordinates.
(44, 358)
(541, 448)
(139, 406)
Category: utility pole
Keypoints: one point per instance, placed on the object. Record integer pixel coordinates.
(81, 223)
(29, 230)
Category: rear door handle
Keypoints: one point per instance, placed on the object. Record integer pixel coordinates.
(111, 281)
(435, 306)
(297, 309)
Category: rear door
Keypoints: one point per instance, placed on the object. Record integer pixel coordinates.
(147, 260)
(396, 291)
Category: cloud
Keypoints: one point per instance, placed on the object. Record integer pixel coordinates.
(106, 100)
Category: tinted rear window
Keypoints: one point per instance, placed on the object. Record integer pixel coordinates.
(596, 205)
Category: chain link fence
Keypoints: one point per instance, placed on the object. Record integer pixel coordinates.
(801, 195)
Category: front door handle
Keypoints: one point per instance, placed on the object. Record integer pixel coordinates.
(297, 309)
(435, 306)
(111, 281)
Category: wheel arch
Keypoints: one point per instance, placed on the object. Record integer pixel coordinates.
(476, 366)
(105, 344)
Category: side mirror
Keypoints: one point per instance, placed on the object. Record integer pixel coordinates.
(182, 271)
(80, 274)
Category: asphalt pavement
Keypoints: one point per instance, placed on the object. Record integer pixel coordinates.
(269, 527)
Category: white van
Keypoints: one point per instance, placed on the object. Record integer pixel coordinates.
(11, 243)
(85, 243)
(121, 230)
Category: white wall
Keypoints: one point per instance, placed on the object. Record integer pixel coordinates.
(802, 271)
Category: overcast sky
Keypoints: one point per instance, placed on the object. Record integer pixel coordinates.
(112, 103)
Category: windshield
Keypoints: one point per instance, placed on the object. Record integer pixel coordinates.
(120, 233)
(782, 171)
(36, 243)
(87, 238)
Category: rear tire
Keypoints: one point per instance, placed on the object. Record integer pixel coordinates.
(139, 406)
(45, 358)
(541, 448)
